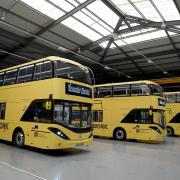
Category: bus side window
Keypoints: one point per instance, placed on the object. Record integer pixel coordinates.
(140, 89)
(104, 92)
(97, 116)
(138, 116)
(37, 112)
(178, 98)
(10, 77)
(43, 70)
(1, 79)
(170, 98)
(2, 110)
(25, 73)
(121, 90)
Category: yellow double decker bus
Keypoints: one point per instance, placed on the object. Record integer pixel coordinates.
(173, 113)
(130, 110)
(46, 104)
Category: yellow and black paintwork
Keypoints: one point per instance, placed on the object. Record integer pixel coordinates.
(115, 109)
(18, 97)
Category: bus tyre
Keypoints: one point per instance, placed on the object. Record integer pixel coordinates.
(119, 134)
(18, 138)
(170, 131)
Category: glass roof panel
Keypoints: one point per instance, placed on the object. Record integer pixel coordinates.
(90, 14)
(100, 29)
(104, 44)
(65, 6)
(126, 7)
(101, 10)
(80, 28)
(83, 17)
(45, 8)
(120, 43)
(145, 37)
(167, 9)
(147, 9)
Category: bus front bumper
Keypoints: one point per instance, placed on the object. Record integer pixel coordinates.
(66, 144)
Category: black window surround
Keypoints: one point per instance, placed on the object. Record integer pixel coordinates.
(17, 80)
(127, 88)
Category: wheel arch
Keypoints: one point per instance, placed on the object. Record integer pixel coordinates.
(15, 130)
(117, 128)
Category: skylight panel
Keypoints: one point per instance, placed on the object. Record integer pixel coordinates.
(120, 43)
(167, 9)
(57, 2)
(66, 6)
(145, 37)
(81, 29)
(101, 10)
(126, 7)
(69, 22)
(104, 44)
(84, 18)
(45, 8)
(105, 26)
(90, 14)
(138, 32)
(100, 29)
(147, 10)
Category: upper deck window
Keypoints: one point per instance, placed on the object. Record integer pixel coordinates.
(43, 70)
(140, 89)
(156, 90)
(10, 77)
(25, 73)
(121, 90)
(1, 78)
(178, 98)
(104, 91)
(171, 98)
(71, 71)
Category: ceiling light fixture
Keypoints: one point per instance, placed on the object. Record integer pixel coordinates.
(165, 72)
(3, 17)
(149, 61)
(107, 68)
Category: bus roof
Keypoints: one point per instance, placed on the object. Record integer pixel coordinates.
(49, 58)
(124, 83)
(178, 92)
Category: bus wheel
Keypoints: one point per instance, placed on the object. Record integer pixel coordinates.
(170, 131)
(119, 134)
(18, 138)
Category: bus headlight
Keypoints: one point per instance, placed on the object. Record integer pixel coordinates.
(155, 128)
(58, 132)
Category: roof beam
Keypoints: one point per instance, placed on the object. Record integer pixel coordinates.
(173, 45)
(14, 37)
(154, 54)
(176, 4)
(54, 23)
(117, 11)
(130, 58)
(119, 23)
(157, 25)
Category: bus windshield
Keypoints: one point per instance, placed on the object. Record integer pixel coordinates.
(159, 118)
(71, 71)
(72, 114)
(157, 90)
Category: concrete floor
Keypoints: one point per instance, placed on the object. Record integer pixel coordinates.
(104, 160)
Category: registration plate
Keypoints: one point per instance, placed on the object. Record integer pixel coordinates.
(79, 144)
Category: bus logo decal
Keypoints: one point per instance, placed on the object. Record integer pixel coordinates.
(4, 126)
(100, 126)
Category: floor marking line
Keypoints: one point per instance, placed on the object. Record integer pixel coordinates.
(25, 172)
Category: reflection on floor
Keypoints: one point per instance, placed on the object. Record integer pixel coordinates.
(104, 160)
